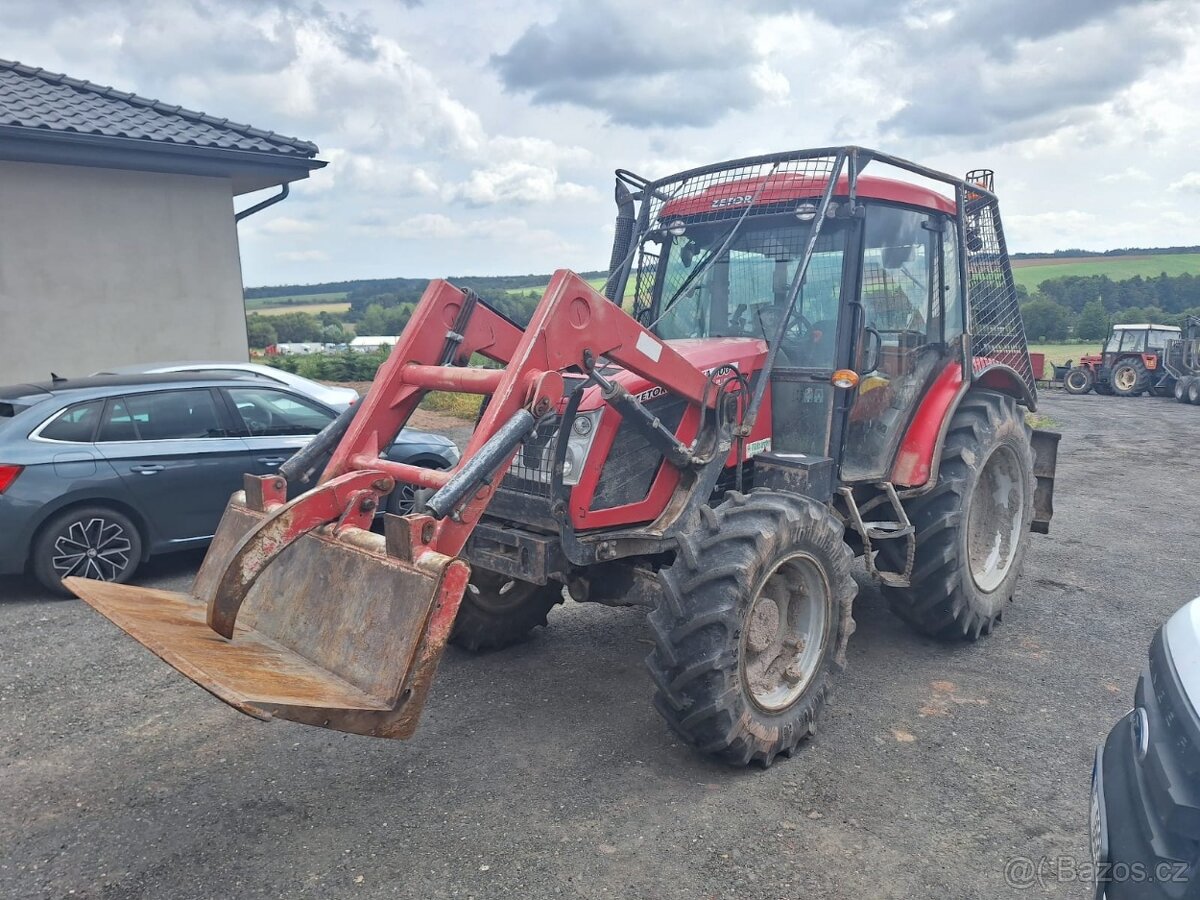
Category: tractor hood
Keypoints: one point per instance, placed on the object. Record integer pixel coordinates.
(706, 354)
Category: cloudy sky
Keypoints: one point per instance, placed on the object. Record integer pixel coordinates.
(480, 138)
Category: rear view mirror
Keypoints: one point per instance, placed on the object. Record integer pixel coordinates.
(871, 351)
(895, 257)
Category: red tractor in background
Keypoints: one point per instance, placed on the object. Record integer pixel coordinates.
(816, 364)
(1129, 365)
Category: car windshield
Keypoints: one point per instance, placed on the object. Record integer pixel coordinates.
(742, 292)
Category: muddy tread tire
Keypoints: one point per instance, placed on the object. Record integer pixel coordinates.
(1193, 391)
(1141, 382)
(943, 600)
(1079, 380)
(485, 624)
(707, 593)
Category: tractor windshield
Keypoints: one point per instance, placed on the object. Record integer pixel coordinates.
(743, 292)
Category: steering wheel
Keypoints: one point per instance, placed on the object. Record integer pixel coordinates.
(258, 422)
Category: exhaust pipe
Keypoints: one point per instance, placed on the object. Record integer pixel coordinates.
(622, 238)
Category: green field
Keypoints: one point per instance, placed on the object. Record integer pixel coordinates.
(312, 308)
(1060, 353)
(259, 304)
(1032, 272)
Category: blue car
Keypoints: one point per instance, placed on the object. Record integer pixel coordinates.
(99, 474)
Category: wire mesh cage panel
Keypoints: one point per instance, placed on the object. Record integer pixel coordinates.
(724, 194)
(997, 332)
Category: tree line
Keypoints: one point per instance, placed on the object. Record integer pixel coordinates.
(1074, 306)
(1087, 306)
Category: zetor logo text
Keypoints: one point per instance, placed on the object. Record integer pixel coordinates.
(732, 201)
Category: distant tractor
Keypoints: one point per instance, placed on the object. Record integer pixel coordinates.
(1130, 364)
(1181, 358)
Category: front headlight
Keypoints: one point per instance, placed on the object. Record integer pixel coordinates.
(583, 432)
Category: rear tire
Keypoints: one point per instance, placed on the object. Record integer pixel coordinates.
(1193, 391)
(1130, 378)
(1078, 380)
(973, 527)
(1103, 387)
(498, 611)
(88, 541)
(1181, 388)
(754, 616)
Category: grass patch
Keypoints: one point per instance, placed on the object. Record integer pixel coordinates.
(462, 406)
(313, 308)
(1058, 354)
(1037, 420)
(268, 303)
(1032, 272)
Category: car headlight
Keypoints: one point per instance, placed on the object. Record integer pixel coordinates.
(579, 443)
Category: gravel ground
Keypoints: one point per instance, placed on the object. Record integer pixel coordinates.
(543, 771)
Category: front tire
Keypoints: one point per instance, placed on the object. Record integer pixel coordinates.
(755, 615)
(498, 611)
(89, 542)
(1193, 391)
(1078, 380)
(1130, 378)
(973, 527)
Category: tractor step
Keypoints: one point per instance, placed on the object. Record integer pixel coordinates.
(888, 530)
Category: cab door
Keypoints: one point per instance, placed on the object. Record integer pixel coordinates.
(910, 310)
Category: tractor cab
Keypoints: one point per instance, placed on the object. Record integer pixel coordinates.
(881, 299)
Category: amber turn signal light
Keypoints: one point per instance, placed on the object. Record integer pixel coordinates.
(844, 378)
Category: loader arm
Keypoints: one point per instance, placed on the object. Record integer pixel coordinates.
(298, 610)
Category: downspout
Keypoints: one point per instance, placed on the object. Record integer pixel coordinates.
(259, 207)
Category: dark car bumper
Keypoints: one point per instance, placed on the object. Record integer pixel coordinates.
(1145, 818)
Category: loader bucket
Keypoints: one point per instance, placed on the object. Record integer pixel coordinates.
(341, 630)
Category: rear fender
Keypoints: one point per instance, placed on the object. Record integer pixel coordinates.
(917, 461)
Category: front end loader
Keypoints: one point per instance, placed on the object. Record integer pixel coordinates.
(814, 364)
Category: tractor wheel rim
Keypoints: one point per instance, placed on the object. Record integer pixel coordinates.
(95, 548)
(995, 519)
(1125, 379)
(783, 635)
(1077, 380)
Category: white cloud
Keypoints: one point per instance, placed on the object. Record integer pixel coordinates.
(438, 166)
(1188, 184)
(302, 256)
(516, 183)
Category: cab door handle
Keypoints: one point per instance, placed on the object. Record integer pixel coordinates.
(149, 469)
(271, 460)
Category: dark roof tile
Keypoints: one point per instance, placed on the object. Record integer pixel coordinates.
(34, 98)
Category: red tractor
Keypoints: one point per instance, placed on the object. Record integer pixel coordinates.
(1130, 364)
(817, 364)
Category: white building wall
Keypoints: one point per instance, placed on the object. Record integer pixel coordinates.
(102, 268)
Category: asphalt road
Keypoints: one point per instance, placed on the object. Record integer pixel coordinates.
(543, 770)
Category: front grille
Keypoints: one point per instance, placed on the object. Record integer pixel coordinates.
(633, 461)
